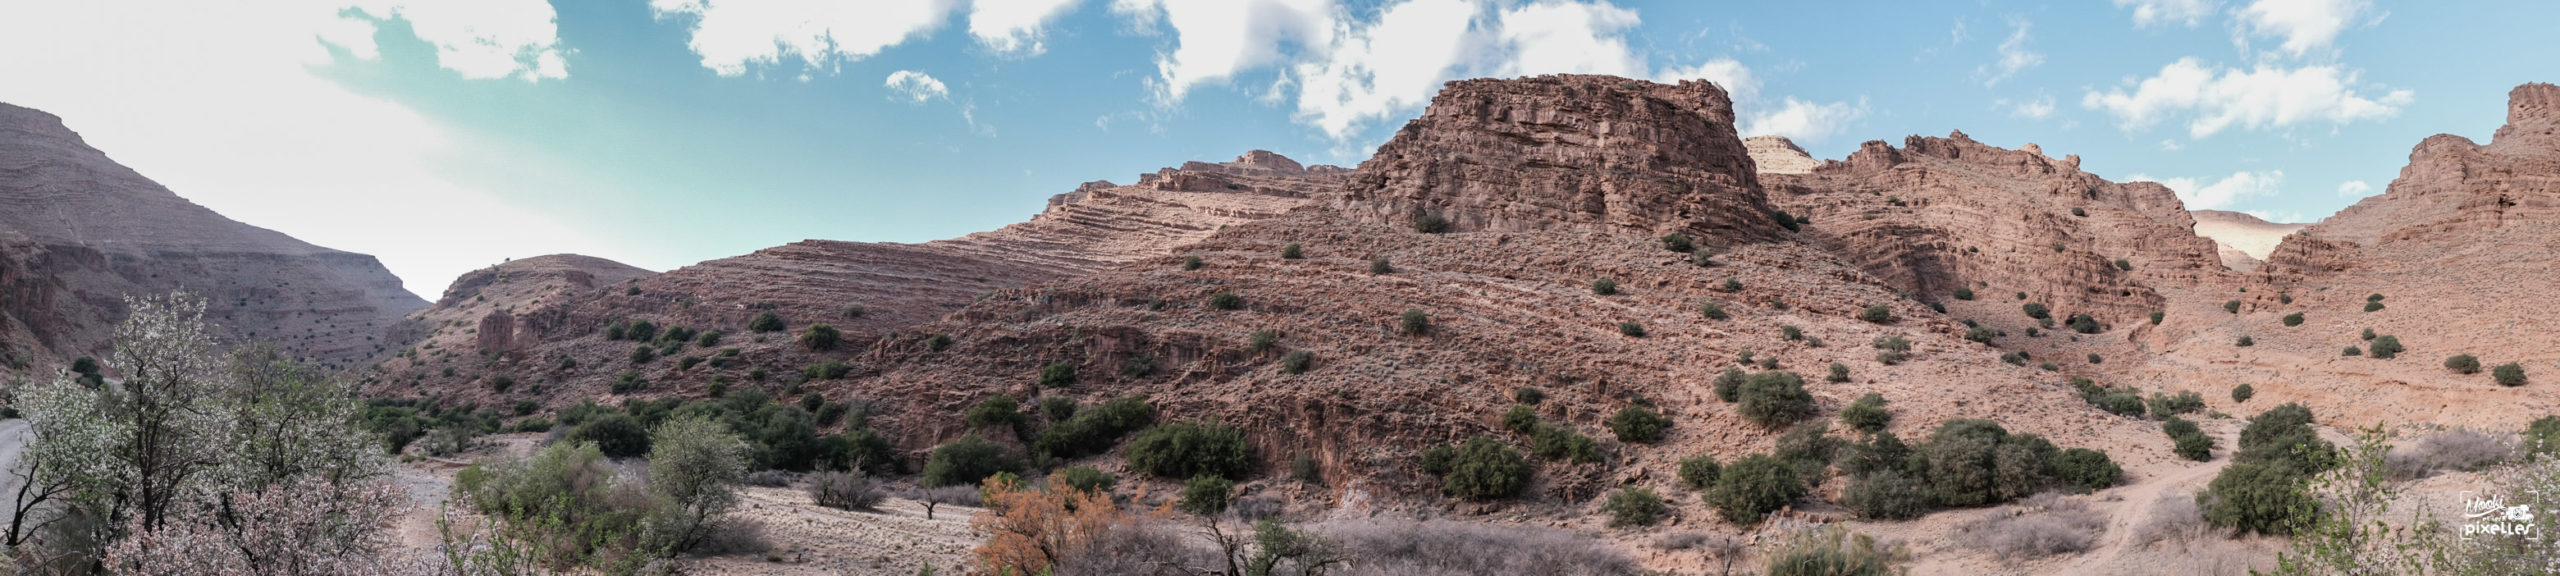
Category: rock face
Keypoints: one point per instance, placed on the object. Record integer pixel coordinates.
(2243, 240)
(78, 232)
(1939, 214)
(1594, 153)
(1778, 155)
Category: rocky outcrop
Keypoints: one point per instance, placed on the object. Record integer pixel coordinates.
(1568, 152)
(78, 232)
(1778, 155)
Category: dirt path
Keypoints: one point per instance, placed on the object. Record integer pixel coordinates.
(2138, 501)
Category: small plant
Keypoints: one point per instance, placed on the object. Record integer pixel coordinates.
(2081, 470)
(1416, 323)
(2231, 306)
(2246, 342)
(1639, 425)
(2242, 393)
(937, 342)
(1380, 266)
(1634, 506)
(1057, 375)
(998, 410)
(1677, 243)
(1191, 449)
(1774, 400)
(1480, 469)
(1561, 443)
(848, 490)
(1785, 220)
(1604, 287)
(2036, 310)
(1732, 285)
(2284, 298)
(2385, 347)
(1206, 495)
(1297, 362)
(2084, 324)
(2373, 306)
(1631, 329)
(1191, 263)
(2123, 264)
(1292, 252)
(2368, 335)
(1699, 472)
(2508, 374)
(2463, 364)
(2294, 319)
(1728, 385)
(1839, 373)
(1878, 314)
(765, 321)
(1226, 301)
(965, 461)
(1083, 479)
(1431, 224)
(1867, 414)
(1528, 395)
(1712, 311)
(1752, 487)
(2156, 316)
(821, 337)
(1982, 334)
(2351, 351)
(1964, 294)
(1703, 258)
(2094, 358)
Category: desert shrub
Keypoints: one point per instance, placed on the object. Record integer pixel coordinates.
(565, 505)
(765, 321)
(1785, 220)
(997, 410)
(1732, 285)
(1835, 551)
(1638, 424)
(2294, 319)
(2094, 358)
(1463, 548)
(2508, 374)
(821, 337)
(1292, 252)
(1528, 395)
(1893, 349)
(1431, 224)
(1879, 452)
(2284, 298)
(1886, 495)
(1699, 472)
(2118, 401)
(1207, 494)
(1083, 478)
(1191, 263)
(1186, 449)
(2385, 347)
(2036, 310)
(2084, 324)
(641, 354)
(1810, 447)
(1521, 419)
(1631, 329)
(1604, 287)
(2245, 342)
(2173, 517)
(2156, 316)
(1963, 462)
(2044, 526)
(2367, 335)
(1878, 314)
(849, 490)
(2283, 437)
(1056, 409)
(1774, 399)
(1634, 506)
(1790, 333)
(1554, 442)
(1982, 334)
(2123, 264)
(937, 342)
(1057, 375)
(1093, 430)
(2253, 497)
(2542, 437)
(2022, 466)
(1480, 469)
(2373, 306)
(2351, 351)
(1753, 486)
(2232, 306)
(2457, 449)
(828, 370)
(617, 435)
(1839, 373)
(1380, 265)
(1297, 361)
(1226, 301)
(2182, 402)
(2242, 393)
(1712, 311)
(1703, 258)
(2463, 364)
(2188, 441)
(1729, 384)
(1677, 243)
(2083, 470)
(1415, 323)
(1137, 366)
(1867, 414)
(1964, 294)
(965, 461)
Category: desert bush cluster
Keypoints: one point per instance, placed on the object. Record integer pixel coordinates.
(1964, 463)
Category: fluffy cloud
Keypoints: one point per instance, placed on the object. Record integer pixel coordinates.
(1803, 121)
(1014, 26)
(2355, 189)
(2039, 108)
(2220, 194)
(2148, 13)
(915, 87)
(1569, 37)
(232, 118)
(481, 39)
(733, 35)
(2214, 98)
(2014, 56)
(1395, 64)
(1215, 39)
(2305, 26)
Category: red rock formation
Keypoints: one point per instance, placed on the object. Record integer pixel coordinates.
(1778, 155)
(1571, 152)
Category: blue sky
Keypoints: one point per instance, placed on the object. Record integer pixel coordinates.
(444, 136)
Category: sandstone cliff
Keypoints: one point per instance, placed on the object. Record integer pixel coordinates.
(78, 232)
(2243, 240)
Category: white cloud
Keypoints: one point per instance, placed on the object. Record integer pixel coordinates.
(2147, 13)
(480, 39)
(1736, 79)
(1569, 38)
(1394, 64)
(1215, 39)
(2355, 189)
(2172, 145)
(2014, 55)
(1014, 26)
(2036, 109)
(915, 87)
(231, 117)
(734, 35)
(2263, 97)
(1803, 121)
(2305, 25)
(2222, 193)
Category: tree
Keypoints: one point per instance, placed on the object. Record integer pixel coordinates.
(967, 460)
(696, 463)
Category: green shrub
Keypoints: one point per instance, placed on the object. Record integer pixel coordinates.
(2284, 298)
(828, 370)
(641, 354)
(2036, 310)
(1297, 361)
(2241, 393)
(1191, 263)
(2250, 497)
(2231, 306)
(1055, 409)
(821, 337)
(1810, 447)
(1186, 449)
(2123, 264)
(2351, 351)
(1226, 301)
(1304, 468)
(1677, 243)
(1206, 494)
(1553, 442)
(1084, 479)
(1732, 285)
(2164, 405)
(2542, 437)
(1431, 224)
(2373, 306)
(1964, 293)
(1698, 472)
(1604, 287)
(2094, 358)
(618, 435)
(2245, 342)
(1634, 506)
(1962, 456)
(1982, 334)
(1712, 311)
(1521, 419)
(2385, 347)
(2283, 436)
(1638, 424)
(1528, 395)
(1381, 266)
(1292, 252)
(765, 321)
(1878, 314)
(2082, 470)
(2508, 374)
(1867, 414)
(2084, 324)
(965, 462)
(1703, 258)
(1480, 469)
(1774, 399)
(2463, 364)
(1835, 551)
(1057, 375)
(629, 382)
(1880, 451)
(1886, 495)
(1839, 373)
(998, 410)
(1094, 430)
(2156, 316)
(1416, 323)
(1753, 486)
(2294, 319)
(1785, 220)
(2368, 334)
(1631, 329)
(1729, 384)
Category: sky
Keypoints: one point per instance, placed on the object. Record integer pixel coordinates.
(443, 136)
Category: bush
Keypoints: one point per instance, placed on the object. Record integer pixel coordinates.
(964, 462)
(1631, 329)
(1057, 375)
(2156, 316)
(2508, 374)
(1634, 506)
(1810, 447)
(2373, 306)
(1886, 495)
(1867, 414)
(1604, 287)
(2368, 334)
(2463, 364)
(2457, 449)
(1094, 430)
(2197, 447)
(1560, 443)
(1207, 494)
(1292, 252)
(2385, 347)
(821, 337)
(2351, 351)
(2294, 319)
(1416, 323)
(828, 370)
(998, 410)
(1083, 479)
(1703, 258)
(1638, 424)
(1528, 395)
(2037, 310)
(1226, 301)
(2242, 393)
(1732, 285)
(1297, 361)
(850, 490)
(765, 321)
(1677, 243)
(1834, 551)
(2045, 526)
(1712, 311)
(2282, 436)
(1775, 399)
(1880, 452)
(1699, 472)
(1877, 314)
(2542, 437)
(1431, 224)
(1480, 469)
(1381, 266)
(1982, 334)
(1964, 294)
(1187, 449)
(641, 354)
(1785, 220)
(1521, 419)
(2245, 342)
(2123, 264)
(1191, 263)
(618, 435)
(2250, 497)
(2084, 324)
(1754, 486)
(1839, 373)
(1729, 384)
(2164, 405)
(2082, 470)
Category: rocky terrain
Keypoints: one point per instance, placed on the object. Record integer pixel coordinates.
(80, 232)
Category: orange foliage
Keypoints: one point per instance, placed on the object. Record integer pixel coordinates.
(1029, 530)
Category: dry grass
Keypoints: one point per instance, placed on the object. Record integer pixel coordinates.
(2174, 517)
(2449, 450)
(1443, 548)
(2039, 526)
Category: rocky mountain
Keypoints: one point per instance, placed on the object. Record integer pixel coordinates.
(78, 232)
(2243, 240)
